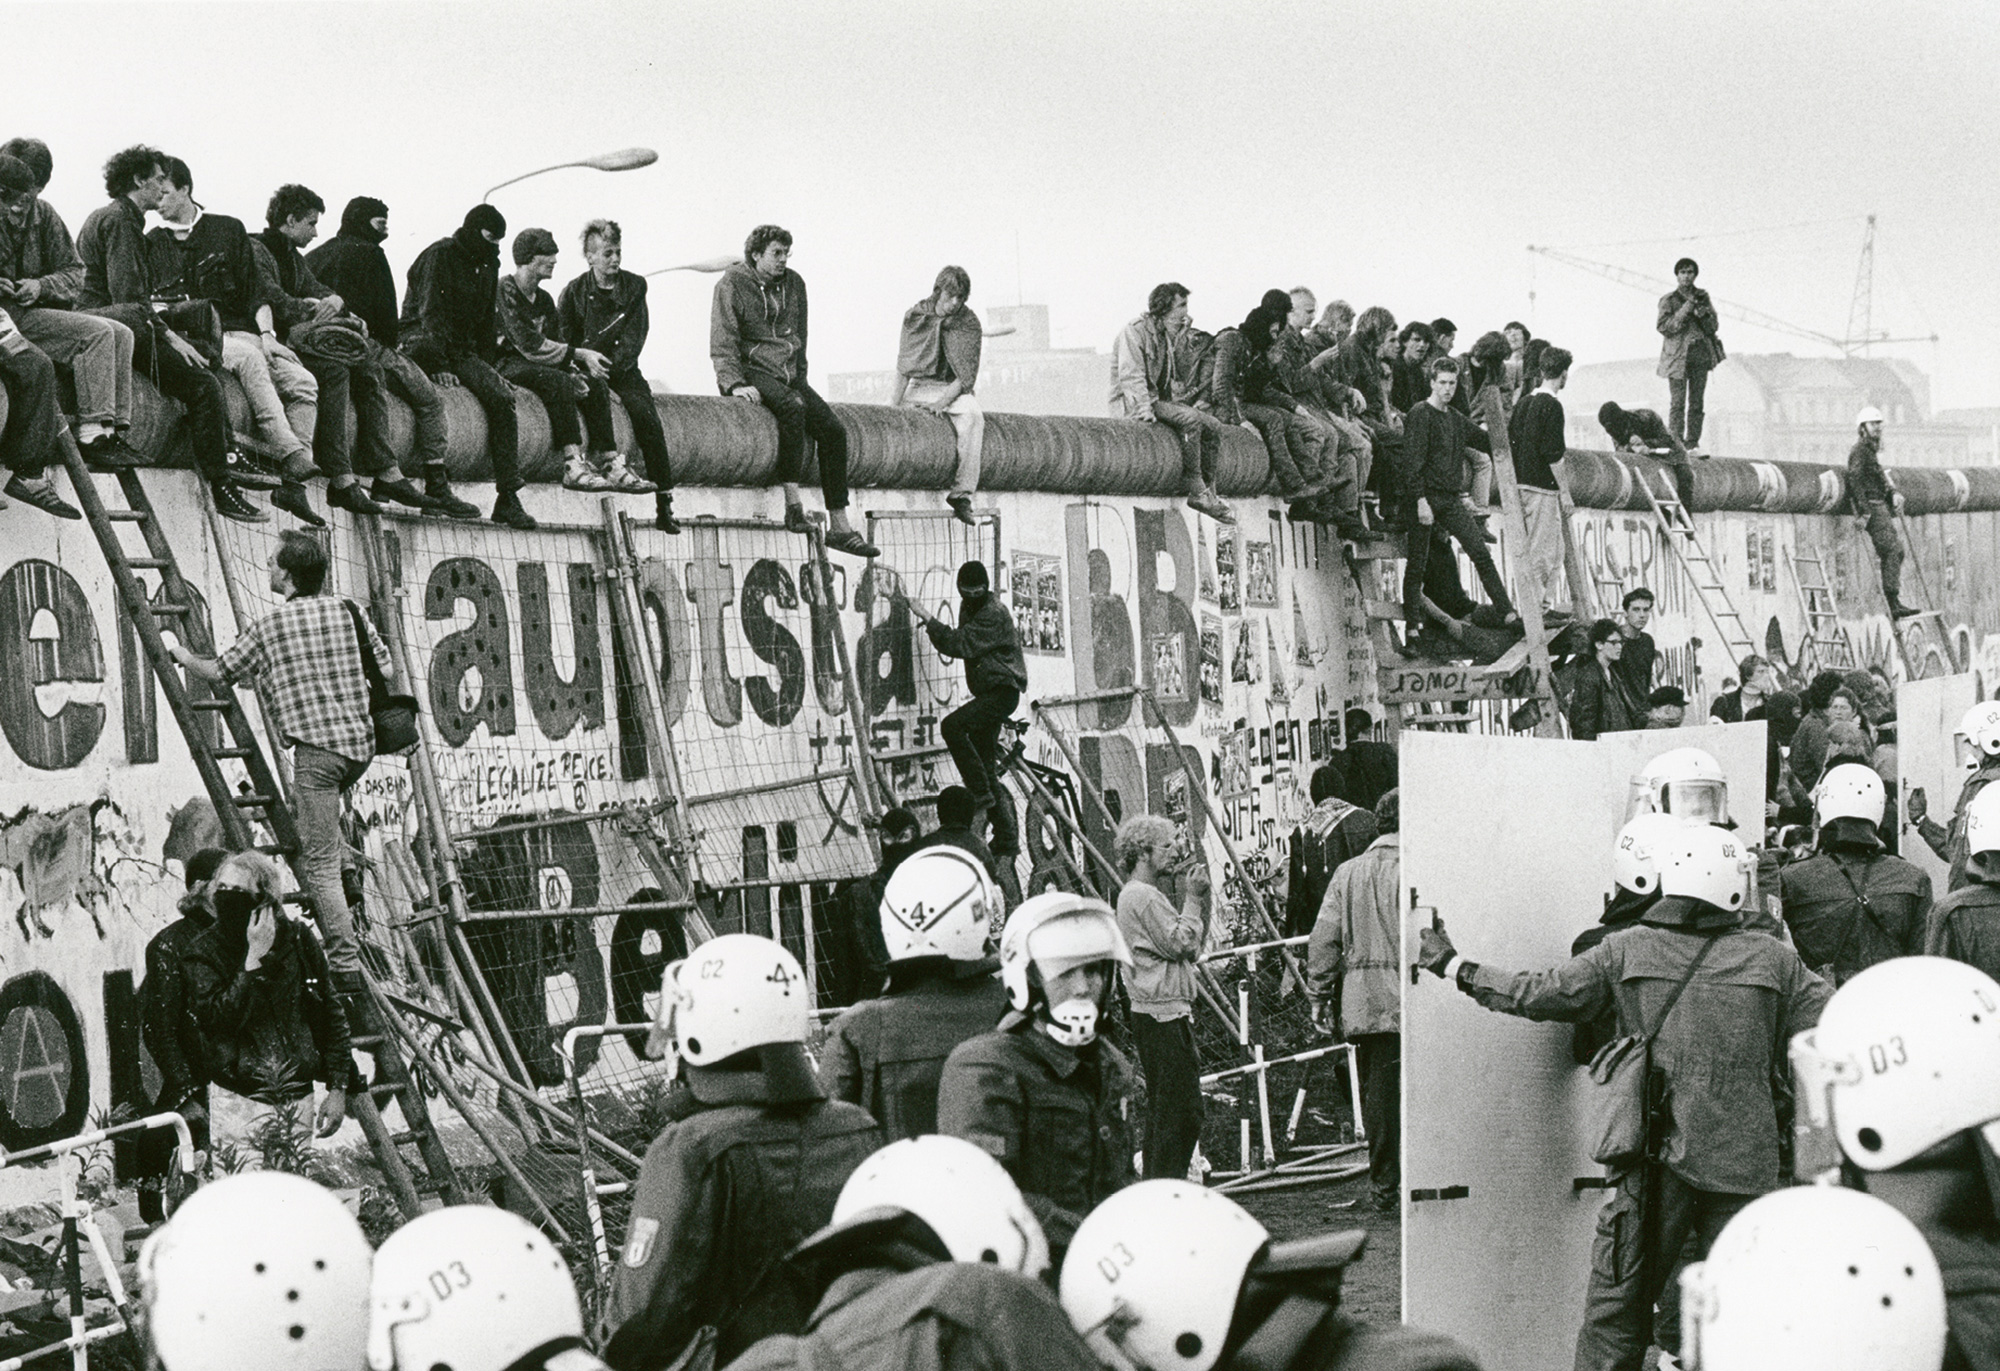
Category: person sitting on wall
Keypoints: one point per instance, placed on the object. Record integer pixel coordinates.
(986, 640)
(757, 340)
(34, 423)
(262, 999)
(1142, 387)
(448, 328)
(571, 380)
(605, 309)
(937, 365)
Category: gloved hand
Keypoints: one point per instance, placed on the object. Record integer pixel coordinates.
(1918, 805)
(1434, 950)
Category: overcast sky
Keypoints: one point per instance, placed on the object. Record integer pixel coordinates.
(1391, 153)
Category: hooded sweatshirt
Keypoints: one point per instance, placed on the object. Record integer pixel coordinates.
(353, 266)
(453, 291)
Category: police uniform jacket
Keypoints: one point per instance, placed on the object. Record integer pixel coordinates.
(1965, 926)
(888, 1054)
(1721, 1050)
(948, 1316)
(1850, 910)
(1054, 1116)
(730, 1186)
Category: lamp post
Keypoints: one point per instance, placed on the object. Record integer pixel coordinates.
(625, 159)
(710, 265)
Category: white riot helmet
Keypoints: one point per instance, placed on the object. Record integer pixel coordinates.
(1705, 863)
(1906, 1055)
(1153, 1273)
(1686, 782)
(956, 1188)
(1635, 859)
(732, 993)
(1978, 735)
(1057, 932)
(1982, 821)
(1849, 791)
(939, 903)
(261, 1271)
(1868, 415)
(471, 1288)
(1815, 1278)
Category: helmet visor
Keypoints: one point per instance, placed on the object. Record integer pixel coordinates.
(1704, 802)
(1968, 753)
(1064, 944)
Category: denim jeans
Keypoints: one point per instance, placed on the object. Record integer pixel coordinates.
(967, 418)
(496, 397)
(33, 418)
(97, 351)
(1173, 1093)
(389, 371)
(570, 414)
(1542, 560)
(283, 396)
(1684, 405)
(333, 449)
(801, 414)
(1287, 441)
(196, 387)
(1201, 441)
(644, 412)
(320, 780)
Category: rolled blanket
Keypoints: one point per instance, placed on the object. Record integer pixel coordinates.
(339, 339)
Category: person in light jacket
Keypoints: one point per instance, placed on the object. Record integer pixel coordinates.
(1166, 940)
(1689, 350)
(937, 365)
(1353, 974)
(1143, 366)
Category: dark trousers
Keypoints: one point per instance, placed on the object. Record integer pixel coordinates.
(972, 732)
(570, 414)
(1684, 399)
(33, 418)
(1653, 1226)
(1173, 1093)
(333, 447)
(801, 414)
(1455, 519)
(637, 393)
(496, 397)
(1380, 1057)
(387, 372)
(155, 1148)
(1888, 549)
(198, 389)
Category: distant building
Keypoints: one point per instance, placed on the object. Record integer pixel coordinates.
(1984, 427)
(1775, 407)
(1019, 373)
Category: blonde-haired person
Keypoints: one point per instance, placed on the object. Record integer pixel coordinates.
(1166, 939)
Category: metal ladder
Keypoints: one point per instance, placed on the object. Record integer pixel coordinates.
(194, 711)
(1827, 646)
(1678, 530)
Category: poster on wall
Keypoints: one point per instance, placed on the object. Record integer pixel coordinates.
(1236, 752)
(1211, 660)
(1260, 574)
(1225, 571)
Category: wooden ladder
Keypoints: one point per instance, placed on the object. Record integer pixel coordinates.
(196, 707)
(1678, 532)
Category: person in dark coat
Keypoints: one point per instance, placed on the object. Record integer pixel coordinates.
(450, 329)
(167, 1025)
(1852, 905)
(986, 641)
(1642, 431)
(1598, 702)
(959, 826)
(750, 1163)
(1332, 831)
(1690, 348)
(1965, 924)
(1368, 767)
(1876, 502)
(352, 264)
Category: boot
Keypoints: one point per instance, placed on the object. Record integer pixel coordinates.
(437, 489)
(230, 504)
(402, 491)
(1204, 500)
(507, 510)
(352, 498)
(292, 497)
(663, 514)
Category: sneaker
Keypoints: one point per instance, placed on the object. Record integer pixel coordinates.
(109, 452)
(579, 474)
(795, 519)
(852, 543)
(622, 477)
(663, 518)
(403, 492)
(292, 497)
(249, 471)
(41, 493)
(961, 508)
(507, 510)
(352, 498)
(230, 504)
(437, 489)
(1206, 501)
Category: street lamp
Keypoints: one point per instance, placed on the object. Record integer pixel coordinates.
(710, 265)
(625, 159)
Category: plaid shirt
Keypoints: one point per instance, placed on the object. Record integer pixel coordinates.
(304, 656)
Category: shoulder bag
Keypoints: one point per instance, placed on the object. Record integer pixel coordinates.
(395, 716)
(1617, 1110)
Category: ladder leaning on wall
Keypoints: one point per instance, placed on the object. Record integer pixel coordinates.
(197, 712)
(1677, 531)
(1826, 646)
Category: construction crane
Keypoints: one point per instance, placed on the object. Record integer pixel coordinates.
(1861, 311)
